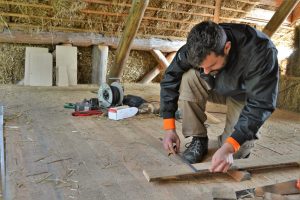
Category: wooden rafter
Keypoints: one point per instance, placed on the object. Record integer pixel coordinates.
(218, 4)
(133, 21)
(280, 15)
(96, 24)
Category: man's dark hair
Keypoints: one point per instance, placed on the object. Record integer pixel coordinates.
(204, 38)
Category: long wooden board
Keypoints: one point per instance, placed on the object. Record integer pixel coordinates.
(180, 171)
(2, 152)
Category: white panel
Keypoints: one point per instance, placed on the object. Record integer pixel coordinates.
(66, 64)
(40, 73)
(28, 51)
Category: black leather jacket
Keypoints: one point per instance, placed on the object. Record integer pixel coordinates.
(251, 74)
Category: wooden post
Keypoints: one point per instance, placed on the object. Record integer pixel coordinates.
(156, 70)
(217, 11)
(160, 58)
(100, 57)
(132, 24)
(280, 15)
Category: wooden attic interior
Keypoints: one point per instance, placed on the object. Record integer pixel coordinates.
(52, 155)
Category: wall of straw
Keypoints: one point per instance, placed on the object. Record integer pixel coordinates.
(12, 63)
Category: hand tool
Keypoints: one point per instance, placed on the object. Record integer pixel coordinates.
(69, 105)
(86, 113)
(86, 105)
(284, 188)
(179, 156)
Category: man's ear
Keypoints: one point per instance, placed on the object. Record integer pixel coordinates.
(227, 47)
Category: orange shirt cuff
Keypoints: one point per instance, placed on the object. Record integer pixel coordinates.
(234, 143)
(169, 124)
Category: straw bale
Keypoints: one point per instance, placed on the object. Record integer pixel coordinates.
(12, 62)
(3, 19)
(138, 64)
(84, 72)
(68, 9)
(293, 62)
(289, 93)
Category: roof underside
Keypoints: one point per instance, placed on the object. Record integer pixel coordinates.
(170, 19)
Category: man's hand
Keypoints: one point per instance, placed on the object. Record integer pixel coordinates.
(169, 140)
(222, 159)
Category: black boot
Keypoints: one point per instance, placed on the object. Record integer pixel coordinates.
(196, 150)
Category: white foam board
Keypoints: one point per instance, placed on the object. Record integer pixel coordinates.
(40, 73)
(66, 65)
(28, 51)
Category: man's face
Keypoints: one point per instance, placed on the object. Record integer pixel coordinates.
(212, 64)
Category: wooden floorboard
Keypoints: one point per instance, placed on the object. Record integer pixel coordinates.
(52, 155)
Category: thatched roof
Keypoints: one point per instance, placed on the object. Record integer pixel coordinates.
(163, 18)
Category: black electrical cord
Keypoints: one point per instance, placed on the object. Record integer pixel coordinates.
(115, 95)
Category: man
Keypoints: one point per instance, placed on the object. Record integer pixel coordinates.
(232, 64)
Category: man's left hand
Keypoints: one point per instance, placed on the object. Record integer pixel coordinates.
(222, 159)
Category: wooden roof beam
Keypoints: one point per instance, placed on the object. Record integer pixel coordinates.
(131, 27)
(86, 39)
(280, 15)
(217, 11)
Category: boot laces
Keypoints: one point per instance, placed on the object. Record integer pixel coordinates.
(195, 144)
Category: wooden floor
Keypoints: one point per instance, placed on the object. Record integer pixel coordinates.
(52, 155)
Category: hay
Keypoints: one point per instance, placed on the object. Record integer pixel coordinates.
(84, 70)
(12, 62)
(138, 64)
(68, 9)
(293, 62)
(62, 11)
(289, 94)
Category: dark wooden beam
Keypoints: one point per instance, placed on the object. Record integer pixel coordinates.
(132, 24)
(280, 15)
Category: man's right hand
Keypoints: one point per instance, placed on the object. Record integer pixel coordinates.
(169, 140)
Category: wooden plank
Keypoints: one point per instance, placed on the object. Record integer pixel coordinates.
(2, 149)
(239, 175)
(203, 168)
(133, 22)
(280, 15)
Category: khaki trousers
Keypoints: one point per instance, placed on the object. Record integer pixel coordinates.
(192, 102)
